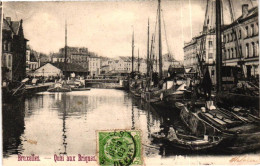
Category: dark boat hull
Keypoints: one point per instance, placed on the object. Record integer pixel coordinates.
(235, 142)
(241, 143)
(195, 145)
(59, 89)
(135, 93)
(80, 89)
(10, 96)
(238, 100)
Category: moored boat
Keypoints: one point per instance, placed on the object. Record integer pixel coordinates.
(80, 89)
(240, 131)
(184, 141)
(59, 87)
(12, 91)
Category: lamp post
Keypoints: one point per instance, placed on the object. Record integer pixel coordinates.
(43, 76)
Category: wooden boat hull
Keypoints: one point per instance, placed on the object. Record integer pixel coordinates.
(80, 89)
(235, 140)
(172, 99)
(59, 89)
(135, 93)
(8, 96)
(240, 143)
(119, 88)
(195, 145)
(238, 100)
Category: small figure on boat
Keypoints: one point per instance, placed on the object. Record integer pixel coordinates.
(207, 84)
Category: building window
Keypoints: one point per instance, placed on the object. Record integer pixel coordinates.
(228, 53)
(257, 29)
(210, 44)
(231, 37)
(256, 49)
(253, 49)
(232, 53)
(240, 52)
(227, 38)
(5, 45)
(252, 30)
(9, 46)
(210, 55)
(247, 31)
(235, 36)
(240, 34)
(9, 60)
(224, 39)
(225, 55)
(235, 53)
(247, 50)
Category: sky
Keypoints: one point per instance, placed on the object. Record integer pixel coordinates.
(106, 27)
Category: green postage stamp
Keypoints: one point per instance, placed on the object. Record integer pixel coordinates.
(119, 147)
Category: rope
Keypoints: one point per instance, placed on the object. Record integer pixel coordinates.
(251, 3)
(234, 30)
(153, 40)
(222, 16)
(190, 19)
(206, 13)
(212, 13)
(168, 48)
(149, 146)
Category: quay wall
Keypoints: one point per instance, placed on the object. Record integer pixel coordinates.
(29, 90)
(104, 85)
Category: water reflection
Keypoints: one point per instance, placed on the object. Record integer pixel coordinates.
(64, 136)
(66, 123)
(133, 118)
(13, 127)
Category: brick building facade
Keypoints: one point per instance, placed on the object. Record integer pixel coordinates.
(13, 50)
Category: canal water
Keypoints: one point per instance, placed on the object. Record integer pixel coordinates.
(66, 123)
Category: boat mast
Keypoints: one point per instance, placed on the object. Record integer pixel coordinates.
(133, 52)
(151, 58)
(147, 60)
(65, 60)
(160, 41)
(218, 47)
(138, 63)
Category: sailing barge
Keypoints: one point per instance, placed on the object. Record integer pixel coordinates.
(240, 130)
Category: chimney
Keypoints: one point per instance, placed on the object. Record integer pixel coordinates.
(244, 10)
(8, 19)
(205, 28)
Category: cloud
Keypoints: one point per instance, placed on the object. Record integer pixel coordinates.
(106, 27)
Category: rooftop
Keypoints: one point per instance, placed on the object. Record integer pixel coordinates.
(253, 12)
(70, 67)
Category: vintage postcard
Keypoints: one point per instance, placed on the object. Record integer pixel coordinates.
(138, 83)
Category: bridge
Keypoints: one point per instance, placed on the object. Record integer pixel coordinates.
(102, 80)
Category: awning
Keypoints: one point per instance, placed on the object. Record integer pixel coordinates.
(25, 80)
(188, 70)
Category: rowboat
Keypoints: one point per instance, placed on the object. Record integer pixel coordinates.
(184, 141)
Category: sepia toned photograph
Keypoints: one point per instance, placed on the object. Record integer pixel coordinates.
(120, 83)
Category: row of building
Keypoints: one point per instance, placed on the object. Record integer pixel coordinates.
(240, 43)
(89, 64)
(79, 56)
(124, 65)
